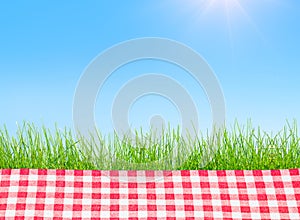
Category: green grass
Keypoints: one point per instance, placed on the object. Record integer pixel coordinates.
(243, 147)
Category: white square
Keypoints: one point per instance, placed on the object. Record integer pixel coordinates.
(253, 203)
(255, 215)
(272, 203)
(270, 191)
(86, 201)
(32, 177)
(123, 191)
(87, 190)
(68, 201)
(11, 200)
(217, 214)
(50, 178)
(180, 214)
(291, 203)
(249, 179)
(236, 215)
(30, 200)
(141, 191)
(199, 214)
(13, 189)
(48, 214)
(179, 202)
(213, 179)
(86, 214)
(161, 214)
(87, 179)
(14, 178)
(29, 213)
(142, 201)
(104, 214)
(50, 189)
(231, 179)
(160, 202)
(49, 201)
(251, 191)
(268, 179)
(142, 214)
(105, 202)
(124, 214)
(32, 189)
(294, 216)
(10, 213)
(274, 215)
(160, 191)
(68, 189)
(289, 191)
(177, 179)
(67, 214)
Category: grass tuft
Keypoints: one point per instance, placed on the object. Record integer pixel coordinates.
(241, 148)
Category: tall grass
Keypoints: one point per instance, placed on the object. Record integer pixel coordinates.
(243, 147)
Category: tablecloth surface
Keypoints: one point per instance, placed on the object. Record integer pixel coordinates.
(188, 194)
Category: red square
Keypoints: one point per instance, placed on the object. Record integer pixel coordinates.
(77, 196)
(275, 173)
(114, 196)
(187, 185)
(281, 197)
(77, 207)
(241, 185)
(151, 196)
(23, 183)
(264, 209)
(170, 208)
(169, 185)
(133, 196)
(58, 207)
(150, 185)
(204, 185)
(225, 197)
(114, 185)
(243, 197)
(260, 184)
(5, 183)
(188, 208)
(22, 194)
(20, 206)
(78, 184)
(3, 206)
(96, 207)
(188, 196)
(245, 209)
(207, 208)
(283, 209)
(41, 195)
(24, 171)
(151, 208)
(223, 185)
(133, 207)
(132, 185)
(221, 173)
(278, 184)
(226, 209)
(206, 196)
(262, 197)
(39, 206)
(96, 184)
(41, 183)
(3, 195)
(170, 196)
(60, 183)
(185, 173)
(203, 173)
(114, 207)
(96, 196)
(296, 184)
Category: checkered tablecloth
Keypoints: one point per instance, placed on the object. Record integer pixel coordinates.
(75, 194)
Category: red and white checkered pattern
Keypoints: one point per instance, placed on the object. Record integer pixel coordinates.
(75, 194)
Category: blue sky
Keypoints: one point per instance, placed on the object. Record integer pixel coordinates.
(254, 51)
